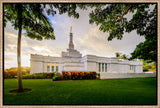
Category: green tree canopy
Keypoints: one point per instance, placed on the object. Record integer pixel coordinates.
(111, 18)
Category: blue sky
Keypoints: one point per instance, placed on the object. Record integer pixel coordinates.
(86, 37)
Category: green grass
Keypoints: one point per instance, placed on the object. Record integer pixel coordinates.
(83, 92)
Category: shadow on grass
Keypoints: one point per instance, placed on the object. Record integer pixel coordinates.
(18, 91)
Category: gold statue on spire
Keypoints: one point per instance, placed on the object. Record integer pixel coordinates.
(71, 29)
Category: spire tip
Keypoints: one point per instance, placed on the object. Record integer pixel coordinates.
(70, 29)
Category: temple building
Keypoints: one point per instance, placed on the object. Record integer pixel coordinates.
(72, 60)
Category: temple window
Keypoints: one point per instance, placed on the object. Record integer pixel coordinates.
(99, 67)
(52, 67)
(102, 67)
(48, 67)
(132, 68)
(56, 67)
(105, 67)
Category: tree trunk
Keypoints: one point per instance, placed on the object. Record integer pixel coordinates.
(20, 88)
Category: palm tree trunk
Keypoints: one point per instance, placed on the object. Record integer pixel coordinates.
(20, 88)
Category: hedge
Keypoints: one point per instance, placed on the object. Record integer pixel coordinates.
(12, 73)
(66, 75)
(39, 76)
(78, 75)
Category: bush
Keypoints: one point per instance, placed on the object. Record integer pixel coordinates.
(78, 75)
(38, 76)
(98, 75)
(12, 72)
(57, 76)
(145, 70)
(66, 75)
(60, 76)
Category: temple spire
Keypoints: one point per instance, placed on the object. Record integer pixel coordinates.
(71, 29)
(71, 45)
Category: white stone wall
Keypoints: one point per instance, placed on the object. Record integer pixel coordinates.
(36, 67)
(44, 67)
(126, 75)
(91, 66)
(115, 68)
(74, 66)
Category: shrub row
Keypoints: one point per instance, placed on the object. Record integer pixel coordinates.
(38, 76)
(74, 75)
(12, 73)
(66, 75)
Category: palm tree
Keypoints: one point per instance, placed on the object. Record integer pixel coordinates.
(124, 56)
(30, 18)
(118, 54)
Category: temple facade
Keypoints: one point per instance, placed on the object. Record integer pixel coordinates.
(72, 60)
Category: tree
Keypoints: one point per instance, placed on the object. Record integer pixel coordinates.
(31, 18)
(124, 56)
(111, 18)
(120, 56)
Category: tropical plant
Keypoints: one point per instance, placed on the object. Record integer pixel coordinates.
(119, 56)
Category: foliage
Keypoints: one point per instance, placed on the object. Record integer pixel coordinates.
(111, 18)
(98, 75)
(57, 76)
(120, 56)
(133, 91)
(38, 76)
(66, 75)
(117, 54)
(79, 75)
(32, 19)
(149, 66)
(12, 72)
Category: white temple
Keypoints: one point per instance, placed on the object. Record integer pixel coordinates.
(72, 60)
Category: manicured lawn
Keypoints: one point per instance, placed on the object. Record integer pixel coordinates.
(83, 92)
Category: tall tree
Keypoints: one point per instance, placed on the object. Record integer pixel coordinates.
(111, 18)
(31, 18)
